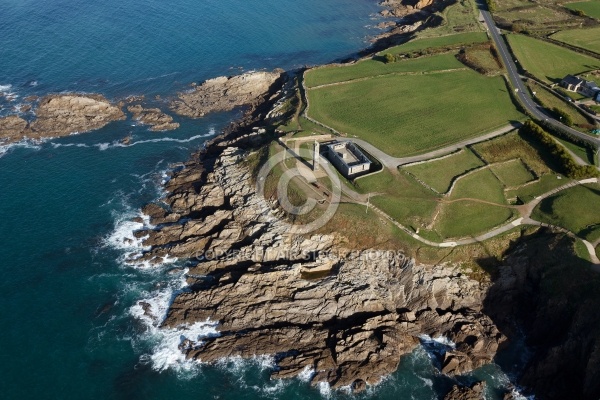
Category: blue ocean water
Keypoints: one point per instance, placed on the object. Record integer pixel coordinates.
(69, 325)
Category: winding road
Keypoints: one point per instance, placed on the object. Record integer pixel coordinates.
(522, 92)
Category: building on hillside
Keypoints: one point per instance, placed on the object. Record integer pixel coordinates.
(348, 158)
(576, 84)
(572, 83)
(590, 89)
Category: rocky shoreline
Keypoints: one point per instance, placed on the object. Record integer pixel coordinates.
(224, 93)
(348, 316)
(341, 314)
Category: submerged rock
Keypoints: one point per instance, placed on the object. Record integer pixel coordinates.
(474, 392)
(154, 117)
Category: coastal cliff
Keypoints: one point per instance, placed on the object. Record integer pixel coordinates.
(546, 292)
(348, 316)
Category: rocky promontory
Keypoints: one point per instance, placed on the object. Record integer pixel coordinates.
(61, 115)
(225, 93)
(401, 8)
(348, 316)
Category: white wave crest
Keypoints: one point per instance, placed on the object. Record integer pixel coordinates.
(118, 144)
(25, 143)
(440, 340)
(151, 310)
(306, 374)
(324, 389)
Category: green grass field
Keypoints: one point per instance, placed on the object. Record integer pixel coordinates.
(468, 218)
(412, 213)
(576, 209)
(585, 38)
(590, 8)
(407, 115)
(439, 173)
(545, 184)
(400, 196)
(480, 185)
(548, 61)
(369, 68)
(512, 173)
(436, 42)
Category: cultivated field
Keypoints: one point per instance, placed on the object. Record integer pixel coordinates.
(547, 61)
(541, 16)
(585, 38)
(590, 8)
(412, 114)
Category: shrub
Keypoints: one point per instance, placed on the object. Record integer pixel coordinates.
(562, 116)
(564, 160)
(389, 58)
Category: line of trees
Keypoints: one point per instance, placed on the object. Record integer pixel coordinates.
(563, 159)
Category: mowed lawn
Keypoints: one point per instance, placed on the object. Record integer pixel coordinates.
(408, 115)
(590, 8)
(369, 68)
(548, 61)
(584, 38)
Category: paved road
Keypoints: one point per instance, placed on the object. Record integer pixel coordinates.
(392, 163)
(523, 93)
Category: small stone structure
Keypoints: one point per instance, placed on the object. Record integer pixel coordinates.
(348, 158)
(316, 155)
